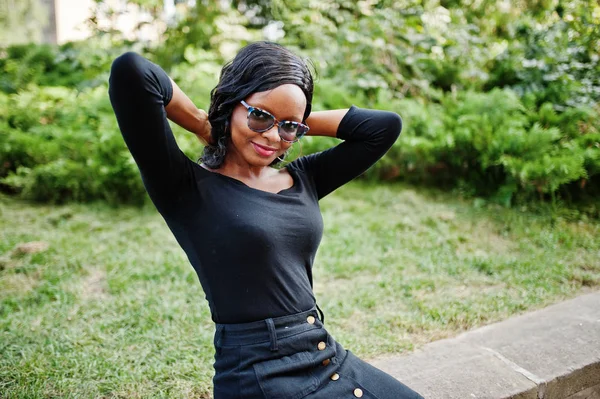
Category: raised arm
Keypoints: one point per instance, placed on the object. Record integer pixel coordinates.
(183, 112)
(139, 92)
(367, 134)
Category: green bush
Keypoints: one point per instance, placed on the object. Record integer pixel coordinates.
(555, 63)
(490, 145)
(73, 65)
(58, 144)
(515, 119)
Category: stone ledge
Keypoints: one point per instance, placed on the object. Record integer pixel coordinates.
(552, 353)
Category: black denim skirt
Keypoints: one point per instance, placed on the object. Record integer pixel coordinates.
(294, 357)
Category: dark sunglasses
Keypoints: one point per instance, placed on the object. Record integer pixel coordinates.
(260, 121)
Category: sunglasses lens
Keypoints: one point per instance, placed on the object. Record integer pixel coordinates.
(288, 130)
(302, 130)
(259, 120)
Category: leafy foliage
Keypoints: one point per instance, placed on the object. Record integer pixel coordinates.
(76, 65)
(499, 99)
(58, 145)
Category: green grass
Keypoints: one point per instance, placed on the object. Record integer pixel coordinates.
(112, 308)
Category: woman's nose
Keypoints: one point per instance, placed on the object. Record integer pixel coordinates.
(272, 134)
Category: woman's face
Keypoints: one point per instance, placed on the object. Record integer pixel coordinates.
(285, 102)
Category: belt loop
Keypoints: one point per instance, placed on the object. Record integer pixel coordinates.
(272, 334)
(322, 316)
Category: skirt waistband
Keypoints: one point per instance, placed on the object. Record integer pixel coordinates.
(268, 329)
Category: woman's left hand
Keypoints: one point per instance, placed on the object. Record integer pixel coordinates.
(204, 130)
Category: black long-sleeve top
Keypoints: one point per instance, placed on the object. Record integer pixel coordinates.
(253, 250)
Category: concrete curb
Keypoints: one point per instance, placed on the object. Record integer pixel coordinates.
(551, 353)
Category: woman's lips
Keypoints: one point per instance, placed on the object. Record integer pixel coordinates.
(263, 151)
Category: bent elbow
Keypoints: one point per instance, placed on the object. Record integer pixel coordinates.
(126, 68)
(395, 125)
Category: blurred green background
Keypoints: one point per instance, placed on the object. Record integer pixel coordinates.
(499, 98)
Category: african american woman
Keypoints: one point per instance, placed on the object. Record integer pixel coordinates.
(251, 230)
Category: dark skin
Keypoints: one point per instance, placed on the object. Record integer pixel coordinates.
(244, 160)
